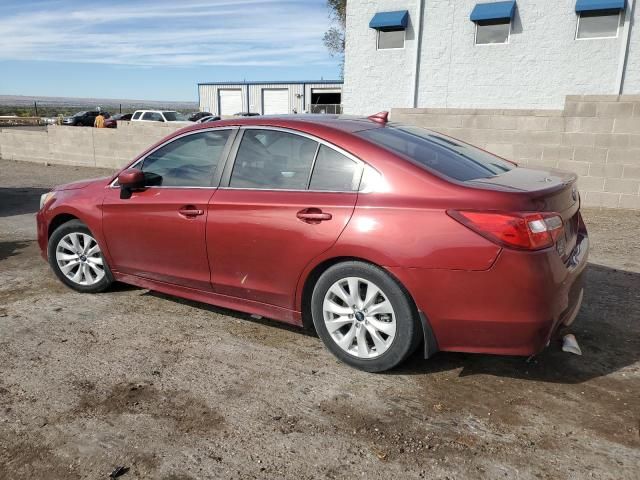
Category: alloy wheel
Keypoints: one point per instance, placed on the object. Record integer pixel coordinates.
(79, 258)
(359, 317)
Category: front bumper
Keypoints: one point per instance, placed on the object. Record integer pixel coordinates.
(513, 308)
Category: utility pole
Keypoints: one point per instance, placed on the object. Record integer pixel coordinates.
(35, 106)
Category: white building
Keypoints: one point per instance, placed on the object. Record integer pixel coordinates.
(271, 98)
(466, 54)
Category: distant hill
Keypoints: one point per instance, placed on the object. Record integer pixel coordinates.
(70, 104)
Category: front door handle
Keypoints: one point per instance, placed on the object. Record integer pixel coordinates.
(190, 211)
(313, 215)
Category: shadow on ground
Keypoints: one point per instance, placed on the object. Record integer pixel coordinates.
(11, 248)
(606, 328)
(20, 200)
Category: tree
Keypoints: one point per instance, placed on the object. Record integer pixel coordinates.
(335, 36)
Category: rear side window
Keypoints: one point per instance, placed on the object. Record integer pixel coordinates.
(273, 160)
(334, 172)
(437, 153)
(153, 117)
(189, 161)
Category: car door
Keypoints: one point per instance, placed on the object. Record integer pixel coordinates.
(159, 233)
(265, 224)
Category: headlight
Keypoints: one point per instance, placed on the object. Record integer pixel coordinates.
(45, 197)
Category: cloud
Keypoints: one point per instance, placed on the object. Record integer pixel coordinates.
(168, 33)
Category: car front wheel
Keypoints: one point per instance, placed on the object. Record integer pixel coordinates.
(76, 258)
(364, 317)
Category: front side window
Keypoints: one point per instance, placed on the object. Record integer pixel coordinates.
(273, 160)
(136, 115)
(390, 39)
(493, 31)
(334, 172)
(188, 161)
(437, 153)
(598, 24)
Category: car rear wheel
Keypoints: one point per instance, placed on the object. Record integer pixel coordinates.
(76, 258)
(364, 317)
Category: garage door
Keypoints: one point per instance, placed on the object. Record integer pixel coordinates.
(230, 101)
(275, 101)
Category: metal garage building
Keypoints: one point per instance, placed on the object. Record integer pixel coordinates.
(271, 98)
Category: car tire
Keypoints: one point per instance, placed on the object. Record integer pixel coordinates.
(375, 334)
(76, 259)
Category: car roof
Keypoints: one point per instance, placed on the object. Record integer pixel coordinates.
(157, 111)
(305, 122)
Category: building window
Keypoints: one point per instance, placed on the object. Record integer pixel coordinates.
(493, 31)
(390, 39)
(390, 28)
(598, 24)
(493, 21)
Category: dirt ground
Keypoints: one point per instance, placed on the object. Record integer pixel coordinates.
(176, 390)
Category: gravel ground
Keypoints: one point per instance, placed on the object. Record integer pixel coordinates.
(174, 390)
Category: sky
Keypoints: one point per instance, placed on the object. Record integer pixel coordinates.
(158, 49)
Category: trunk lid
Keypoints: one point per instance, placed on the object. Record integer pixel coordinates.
(549, 190)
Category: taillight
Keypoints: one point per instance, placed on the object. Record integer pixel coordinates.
(529, 231)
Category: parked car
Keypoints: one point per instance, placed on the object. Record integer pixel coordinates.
(112, 122)
(381, 236)
(246, 114)
(157, 116)
(211, 118)
(194, 117)
(84, 119)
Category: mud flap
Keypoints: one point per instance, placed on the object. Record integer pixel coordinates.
(430, 342)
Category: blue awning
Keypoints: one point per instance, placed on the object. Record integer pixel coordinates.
(594, 5)
(390, 20)
(493, 11)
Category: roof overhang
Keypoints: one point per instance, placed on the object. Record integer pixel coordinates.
(390, 20)
(493, 11)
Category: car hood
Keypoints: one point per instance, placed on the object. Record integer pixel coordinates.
(81, 184)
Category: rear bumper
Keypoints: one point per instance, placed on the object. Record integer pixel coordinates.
(513, 308)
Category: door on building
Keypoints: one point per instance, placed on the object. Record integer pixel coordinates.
(326, 100)
(230, 101)
(275, 101)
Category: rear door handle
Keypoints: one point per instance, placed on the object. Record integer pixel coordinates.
(190, 211)
(313, 215)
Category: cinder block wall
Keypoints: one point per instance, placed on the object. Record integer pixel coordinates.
(598, 137)
(92, 147)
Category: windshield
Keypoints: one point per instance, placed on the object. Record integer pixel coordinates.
(438, 153)
(80, 114)
(174, 116)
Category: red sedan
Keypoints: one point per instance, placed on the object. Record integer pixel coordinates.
(381, 236)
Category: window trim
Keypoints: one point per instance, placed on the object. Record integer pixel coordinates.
(404, 40)
(233, 155)
(475, 37)
(597, 38)
(217, 174)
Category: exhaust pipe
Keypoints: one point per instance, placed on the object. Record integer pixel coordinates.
(570, 344)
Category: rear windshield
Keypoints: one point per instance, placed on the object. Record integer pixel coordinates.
(437, 153)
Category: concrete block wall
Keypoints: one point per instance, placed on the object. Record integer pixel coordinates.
(596, 136)
(92, 147)
(24, 144)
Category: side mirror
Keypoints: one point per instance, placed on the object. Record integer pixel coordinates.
(130, 180)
